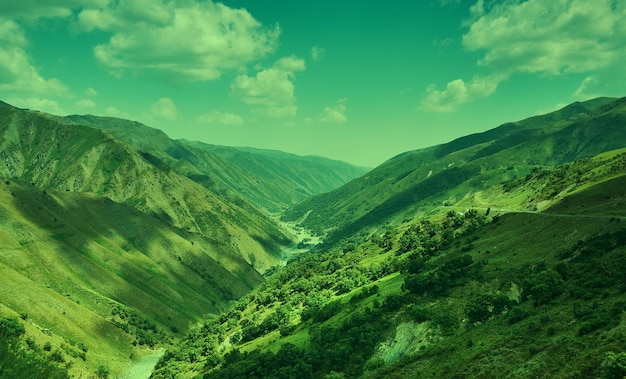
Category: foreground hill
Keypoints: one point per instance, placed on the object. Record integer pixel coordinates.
(108, 246)
(83, 269)
(272, 180)
(414, 183)
(484, 293)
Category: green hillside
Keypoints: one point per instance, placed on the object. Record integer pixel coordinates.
(499, 254)
(107, 252)
(413, 184)
(272, 180)
(73, 158)
(276, 180)
(478, 293)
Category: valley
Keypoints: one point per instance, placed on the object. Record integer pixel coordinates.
(125, 253)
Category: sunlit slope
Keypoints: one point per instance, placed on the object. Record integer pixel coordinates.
(269, 179)
(413, 183)
(68, 260)
(517, 294)
(74, 158)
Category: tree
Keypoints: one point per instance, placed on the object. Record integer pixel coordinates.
(543, 286)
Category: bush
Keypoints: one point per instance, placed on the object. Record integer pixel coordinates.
(11, 328)
(614, 365)
(516, 314)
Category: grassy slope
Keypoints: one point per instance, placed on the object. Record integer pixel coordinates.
(416, 182)
(269, 179)
(563, 337)
(71, 258)
(80, 159)
(90, 226)
(276, 180)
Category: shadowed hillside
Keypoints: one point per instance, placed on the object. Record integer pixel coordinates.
(109, 247)
(414, 183)
(272, 180)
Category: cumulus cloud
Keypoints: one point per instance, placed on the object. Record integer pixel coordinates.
(184, 40)
(85, 103)
(317, 53)
(91, 92)
(17, 72)
(164, 109)
(271, 90)
(336, 113)
(223, 118)
(459, 92)
(115, 112)
(34, 9)
(548, 38)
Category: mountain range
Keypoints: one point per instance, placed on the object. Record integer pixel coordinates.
(498, 254)
(416, 183)
(105, 214)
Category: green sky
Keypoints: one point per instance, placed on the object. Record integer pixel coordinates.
(359, 81)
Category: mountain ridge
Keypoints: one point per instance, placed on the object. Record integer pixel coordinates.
(269, 179)
(500, 154)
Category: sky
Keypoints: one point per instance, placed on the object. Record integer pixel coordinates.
(354, 80)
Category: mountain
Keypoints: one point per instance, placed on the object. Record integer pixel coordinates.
(482, 292)
(415, 183)
(271, 180)
(108, 248)
(274, 179)
(75, 158)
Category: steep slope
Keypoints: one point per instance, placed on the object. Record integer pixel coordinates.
(277, 179)
(106, 250)
(84, 269)
(269, 179)
(81, 159)
(412, 184)
(532, 294)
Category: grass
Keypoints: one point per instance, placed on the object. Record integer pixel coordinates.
(68, 262)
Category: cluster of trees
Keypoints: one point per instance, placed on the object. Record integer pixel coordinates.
(145, 331)
(22, 358)
(306, 291)
(342, 336)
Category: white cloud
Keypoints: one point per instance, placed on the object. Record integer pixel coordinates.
(85, 103)
(34, 9)
(317, 53)
(91, 92)
(164, 109)
(17, 73)
(271, 90)
(224, 118)
(39, 104)
(550, 38)
(115, 112)
(459, 92)
(336, 113)
(183, 41)
(582, 92)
